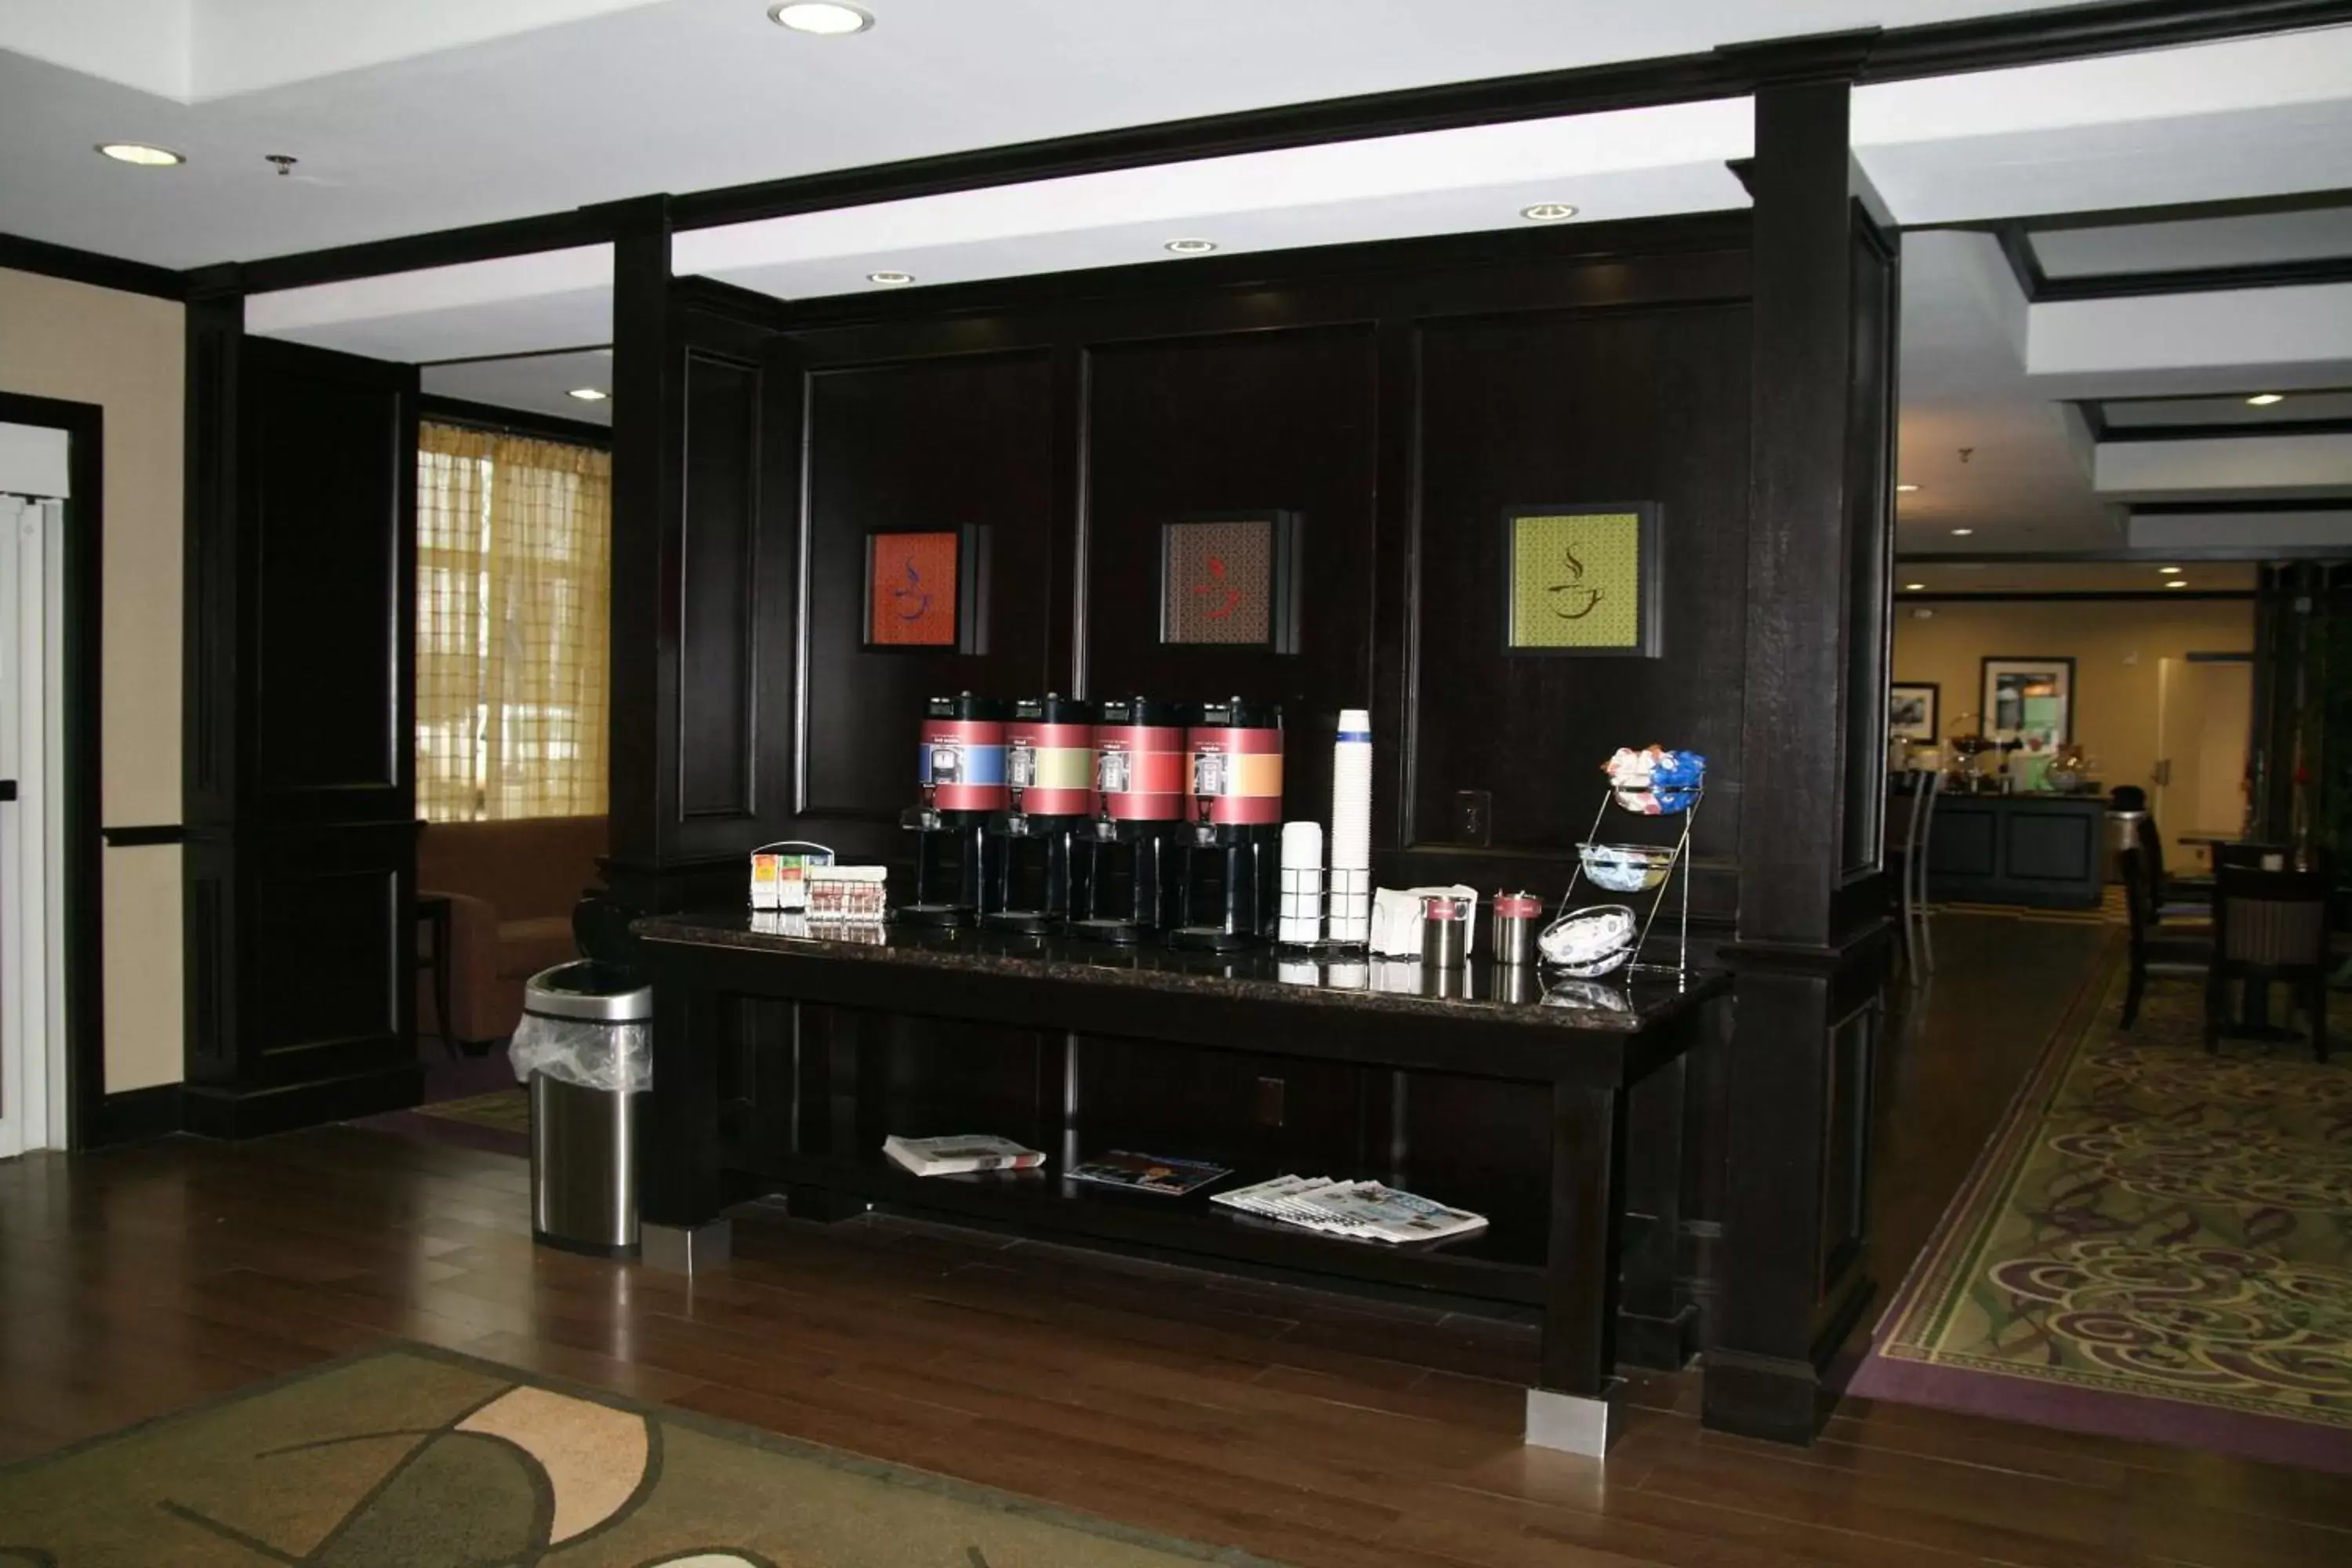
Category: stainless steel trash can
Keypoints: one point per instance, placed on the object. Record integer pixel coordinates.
(583, 1141)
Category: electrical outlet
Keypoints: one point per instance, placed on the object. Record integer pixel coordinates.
(1473, 816)
(1269, 1101)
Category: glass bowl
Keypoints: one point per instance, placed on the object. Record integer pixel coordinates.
(1588, 942)
(1626, 868)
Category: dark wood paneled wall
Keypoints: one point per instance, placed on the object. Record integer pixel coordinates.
(300, 774)
(1394, 398)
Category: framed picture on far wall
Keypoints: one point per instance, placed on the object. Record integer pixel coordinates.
(1911, 710)
(2029, 697)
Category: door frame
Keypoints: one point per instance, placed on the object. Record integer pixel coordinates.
(79, 645)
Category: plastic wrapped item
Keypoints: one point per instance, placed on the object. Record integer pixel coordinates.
(591, 1054)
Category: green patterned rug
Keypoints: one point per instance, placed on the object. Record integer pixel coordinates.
(2157, 1244)
(414, 1457)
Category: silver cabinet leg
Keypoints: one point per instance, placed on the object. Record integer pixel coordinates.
(1572, 1423)
(677, 1249)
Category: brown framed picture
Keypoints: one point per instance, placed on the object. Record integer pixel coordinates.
(1230, 580)
(1582, 579)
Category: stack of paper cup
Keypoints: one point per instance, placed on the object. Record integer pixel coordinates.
(1302, 884)
(1352, 827)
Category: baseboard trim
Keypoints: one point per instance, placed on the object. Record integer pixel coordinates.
(215, 1111)
(134, 1116)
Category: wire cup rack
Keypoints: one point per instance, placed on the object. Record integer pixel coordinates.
(1320, 897)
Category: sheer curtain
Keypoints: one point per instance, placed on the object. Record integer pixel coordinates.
(513, 551)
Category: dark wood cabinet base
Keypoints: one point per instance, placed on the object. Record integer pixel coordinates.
(235, 1113)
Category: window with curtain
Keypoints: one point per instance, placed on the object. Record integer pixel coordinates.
(513, 557)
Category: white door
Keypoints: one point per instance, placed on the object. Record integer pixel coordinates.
(2204, 716)
(32, 949)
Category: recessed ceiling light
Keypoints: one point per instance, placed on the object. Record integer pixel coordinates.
(2176, 583)
(1962, 533)
(589, 394)
(1912, 588)
(1548, 212)
(1191, 246)
(140, 153)
(2170, 571)
(890, 279)
(2264, 399)
(1904, 489)
(824, 18)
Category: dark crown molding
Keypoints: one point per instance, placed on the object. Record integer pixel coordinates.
(64, 261)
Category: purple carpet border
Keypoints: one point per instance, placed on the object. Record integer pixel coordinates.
(2012, 1397)
(2105, 1413)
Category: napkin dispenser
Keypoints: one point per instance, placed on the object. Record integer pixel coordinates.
(1396, 920)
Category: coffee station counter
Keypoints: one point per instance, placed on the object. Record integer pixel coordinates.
(2045, 851)
(781, 1059)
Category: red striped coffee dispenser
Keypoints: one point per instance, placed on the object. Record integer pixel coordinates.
(1140, 796)
(1228, 855)
(960, 765)
(1049, 784)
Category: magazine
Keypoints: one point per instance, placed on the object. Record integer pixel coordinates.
(1363, 1211)
(1147, 1172)
(960, 1155)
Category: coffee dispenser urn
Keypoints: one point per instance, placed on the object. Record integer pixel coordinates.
(961, 765)
(1117, 892)
(1228, 855)
(1049, 785)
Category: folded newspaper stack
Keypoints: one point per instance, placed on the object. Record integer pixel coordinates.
(1361, 1211)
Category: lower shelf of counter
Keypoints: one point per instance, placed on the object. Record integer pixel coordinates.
(1503, 1263)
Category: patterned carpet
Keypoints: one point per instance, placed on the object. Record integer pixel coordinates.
(2157, 1244)
(419, 1459)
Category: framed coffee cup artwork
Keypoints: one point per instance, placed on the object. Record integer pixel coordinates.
(1581, 579)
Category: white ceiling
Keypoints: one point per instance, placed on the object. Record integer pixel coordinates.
(540, 383)
(441, 112)
(2152, 413)
(2071, 577)
(2247, 240)
(523, 112)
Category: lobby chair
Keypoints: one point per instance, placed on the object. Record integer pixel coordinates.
(2175, 898)
(2270, 928)
(2153, 950)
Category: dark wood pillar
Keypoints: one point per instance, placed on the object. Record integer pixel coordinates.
(2291, 637)
(1811, 926)
(299, 782)
(704, 590)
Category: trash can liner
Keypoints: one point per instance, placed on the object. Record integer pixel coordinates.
(593, 1055)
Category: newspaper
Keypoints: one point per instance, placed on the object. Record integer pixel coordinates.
(1362, 1211)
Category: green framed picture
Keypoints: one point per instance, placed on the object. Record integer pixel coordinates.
(1581, 579)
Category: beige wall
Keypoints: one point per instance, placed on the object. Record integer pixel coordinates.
(124, 351)
(2116, 645)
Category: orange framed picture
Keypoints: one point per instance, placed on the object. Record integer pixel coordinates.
(914, 589)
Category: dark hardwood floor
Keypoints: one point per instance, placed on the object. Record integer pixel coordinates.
(1319, 1431)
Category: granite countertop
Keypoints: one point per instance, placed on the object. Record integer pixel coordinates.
(1623, 1002)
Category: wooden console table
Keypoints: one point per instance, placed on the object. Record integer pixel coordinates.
(1593, 1056)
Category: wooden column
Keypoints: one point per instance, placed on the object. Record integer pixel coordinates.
(1812, 924)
